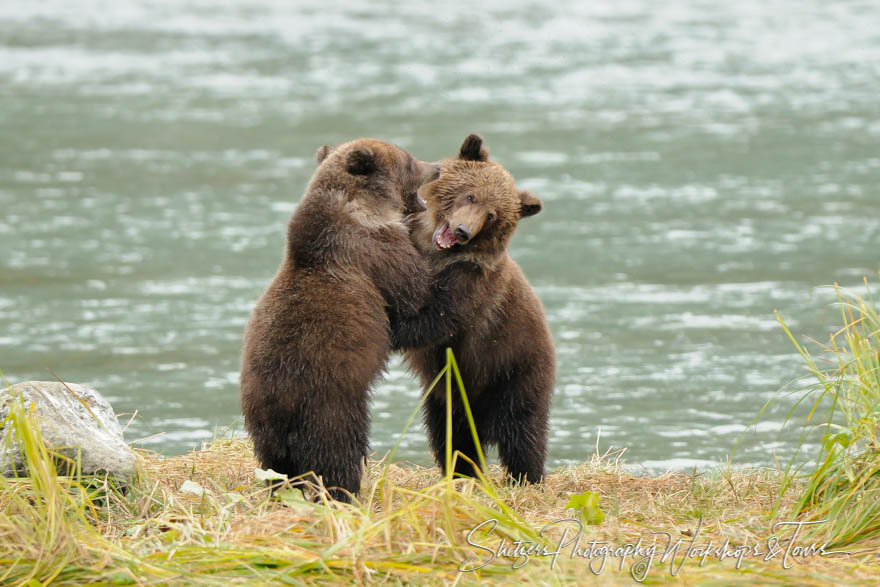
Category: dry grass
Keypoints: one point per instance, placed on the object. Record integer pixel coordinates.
(410, 526)
(205, 519)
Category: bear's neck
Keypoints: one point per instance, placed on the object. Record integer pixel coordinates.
(328, 225)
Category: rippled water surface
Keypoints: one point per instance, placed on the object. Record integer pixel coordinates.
(702, 164)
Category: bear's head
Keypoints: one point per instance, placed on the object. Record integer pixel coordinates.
(474, 205)
(381, 172)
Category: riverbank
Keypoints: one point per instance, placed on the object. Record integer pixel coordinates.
(203, 518)
(206, 518)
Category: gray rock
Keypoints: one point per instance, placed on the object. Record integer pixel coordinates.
(74, 419)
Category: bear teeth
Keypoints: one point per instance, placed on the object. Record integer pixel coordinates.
(443, 238)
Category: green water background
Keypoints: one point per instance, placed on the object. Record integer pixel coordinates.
(701, 163)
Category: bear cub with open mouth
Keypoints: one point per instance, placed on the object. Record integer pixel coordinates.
(484, 309)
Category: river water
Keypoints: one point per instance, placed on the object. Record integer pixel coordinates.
(702, 164)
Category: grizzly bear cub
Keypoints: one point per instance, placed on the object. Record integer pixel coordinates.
(319, 336)
(493, 321)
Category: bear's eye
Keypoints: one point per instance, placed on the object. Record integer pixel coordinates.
(470, 198)
(490, 218)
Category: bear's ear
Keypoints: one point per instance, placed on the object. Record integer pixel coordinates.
(472, 149)
(529, 204)
(322, 153)
(361, 161)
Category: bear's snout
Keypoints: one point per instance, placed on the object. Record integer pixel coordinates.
(462, 233)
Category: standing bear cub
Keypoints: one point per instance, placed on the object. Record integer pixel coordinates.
(319, 336)
(487, 313)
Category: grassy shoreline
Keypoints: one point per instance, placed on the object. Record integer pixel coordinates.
(206, 517)
(203, 518)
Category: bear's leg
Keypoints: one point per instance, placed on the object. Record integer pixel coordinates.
(520, 423)
(339, 440)
(329, 440)
(462, 439)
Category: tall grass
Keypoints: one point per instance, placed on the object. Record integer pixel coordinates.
(843, 397)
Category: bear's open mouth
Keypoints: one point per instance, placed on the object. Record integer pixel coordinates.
(443, 238)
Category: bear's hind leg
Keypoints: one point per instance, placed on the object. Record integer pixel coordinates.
(338, 443)
(520, 425)
(329, 442)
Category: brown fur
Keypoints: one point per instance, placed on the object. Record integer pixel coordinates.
(319, 336)
(485, 310)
